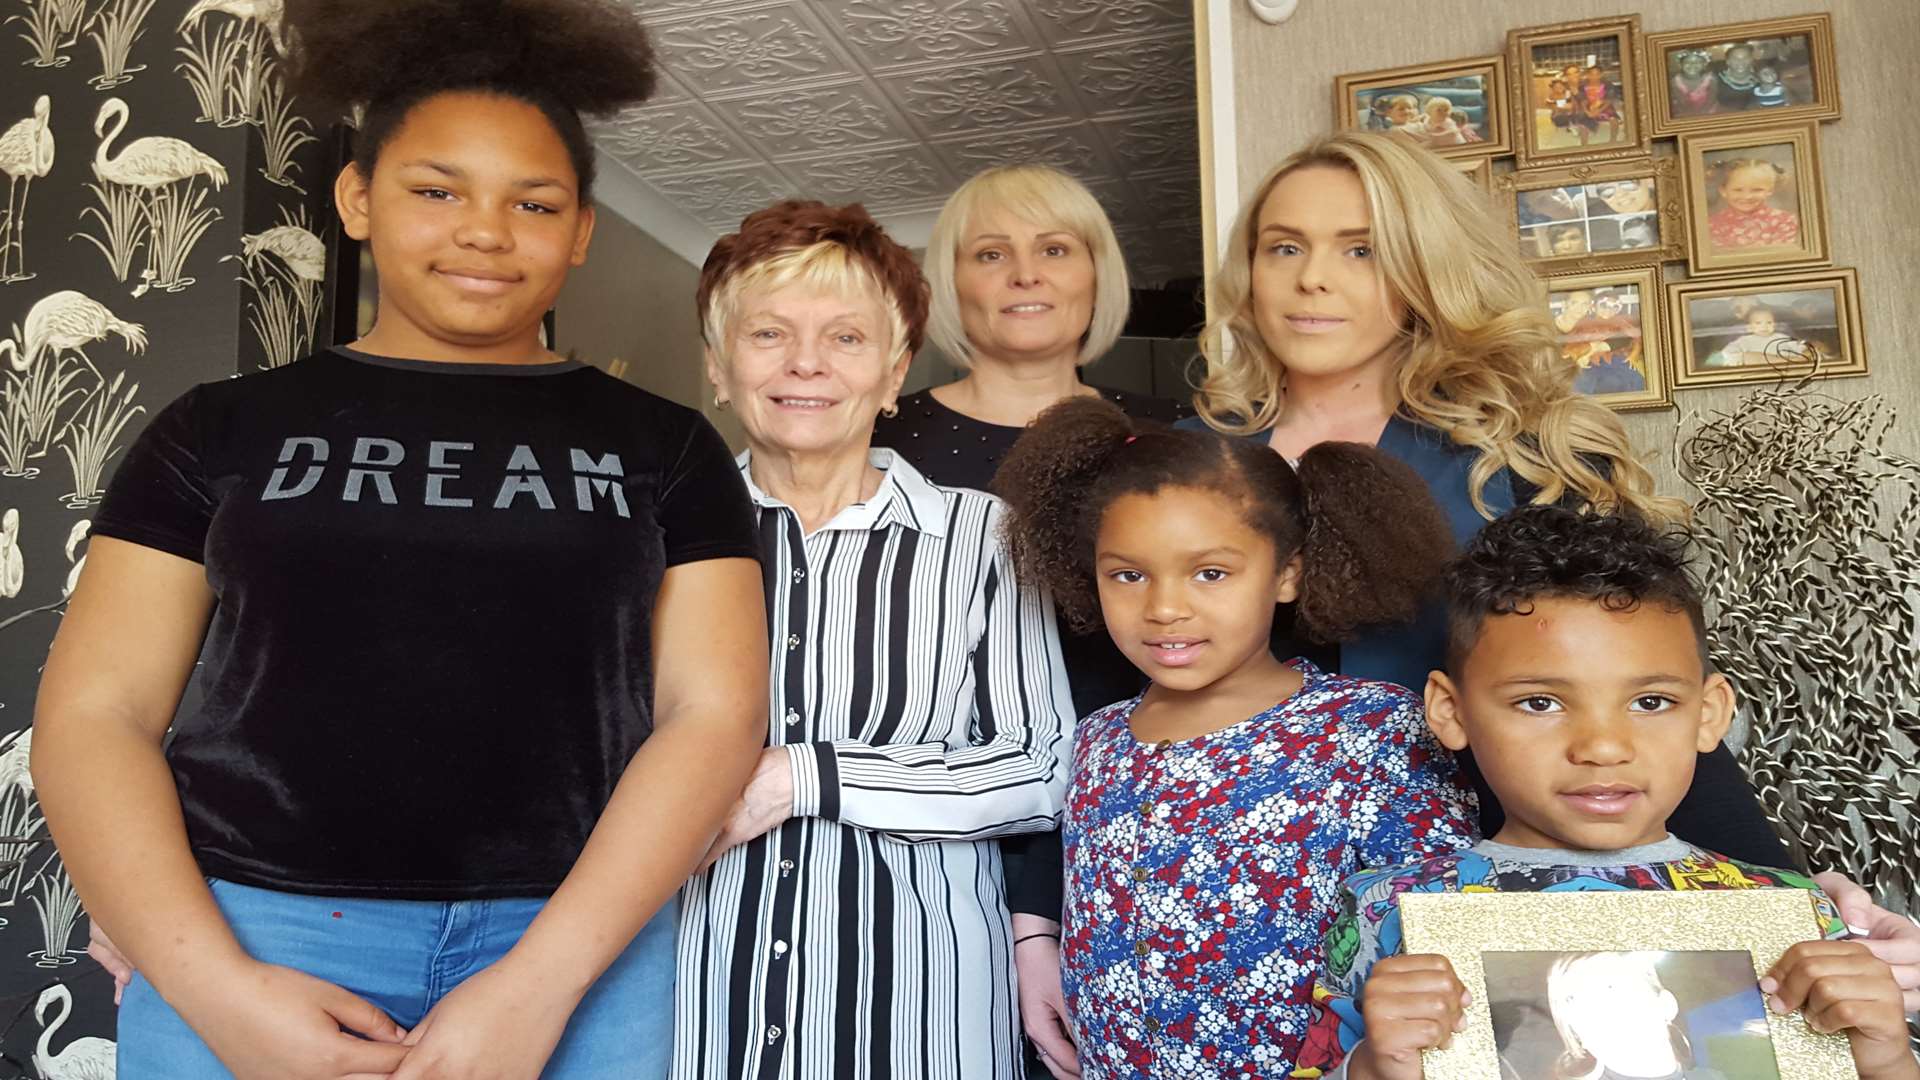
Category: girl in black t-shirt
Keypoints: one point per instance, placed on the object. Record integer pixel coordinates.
(459, 740)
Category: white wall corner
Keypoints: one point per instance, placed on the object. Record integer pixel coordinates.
(617, 189)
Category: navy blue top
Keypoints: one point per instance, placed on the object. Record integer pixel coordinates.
(1719, 812)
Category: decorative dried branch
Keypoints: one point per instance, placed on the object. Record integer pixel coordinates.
(1810, 542)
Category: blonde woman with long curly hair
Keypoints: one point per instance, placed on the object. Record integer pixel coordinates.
(1368, 294)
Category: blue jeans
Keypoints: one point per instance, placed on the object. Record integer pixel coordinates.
(404, 956)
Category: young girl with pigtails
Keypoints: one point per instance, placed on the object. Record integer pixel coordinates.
(1211, 818)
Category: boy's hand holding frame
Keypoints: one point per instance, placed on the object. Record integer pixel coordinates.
(1412, 1002)
(1841, 986)
(1765, 923)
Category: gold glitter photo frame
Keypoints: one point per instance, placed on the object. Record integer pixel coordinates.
(1592, 978)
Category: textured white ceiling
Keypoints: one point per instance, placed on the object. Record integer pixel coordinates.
(894, 102)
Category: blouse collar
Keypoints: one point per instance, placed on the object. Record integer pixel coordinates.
(904, 498)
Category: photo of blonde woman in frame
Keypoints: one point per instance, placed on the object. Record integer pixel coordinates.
(1712, 78)
(1760, 925)
(1687, 1015)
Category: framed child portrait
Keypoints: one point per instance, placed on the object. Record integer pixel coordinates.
(1622, 984)
(1591, 217)
(1756, 198)
(1743, 75)
(1577, 93)
(1765, 328)
(1609, 332)
(1457, 109)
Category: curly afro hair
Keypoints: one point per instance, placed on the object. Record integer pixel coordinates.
(565, 57)
(1370, 539)
(1618, 560)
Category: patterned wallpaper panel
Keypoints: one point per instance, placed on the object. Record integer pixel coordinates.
(161, 230)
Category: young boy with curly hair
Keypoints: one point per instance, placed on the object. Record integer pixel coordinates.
(1577, 671)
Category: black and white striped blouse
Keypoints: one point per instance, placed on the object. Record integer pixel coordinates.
(922, 697)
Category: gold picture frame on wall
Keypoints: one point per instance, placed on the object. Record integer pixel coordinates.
(1478, 170)
(1764, 328)
(1457, 108)
(1715, 77)
(1577, 92)
(1703, 952)
(1757, 198)
(1609, 329)
(1598, 216)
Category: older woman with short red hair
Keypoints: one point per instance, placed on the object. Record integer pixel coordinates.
(853, 920)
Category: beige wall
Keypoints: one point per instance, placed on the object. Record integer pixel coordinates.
(1282, 77)
(630, 309)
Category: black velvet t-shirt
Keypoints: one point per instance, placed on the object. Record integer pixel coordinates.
(431, 655)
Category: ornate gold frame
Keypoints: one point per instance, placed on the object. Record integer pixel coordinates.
(1762, 922)
(1498, 141)
(1671, 206)
(1520, 46)
(1653, 339)
(1818, 30)
(1846, 311)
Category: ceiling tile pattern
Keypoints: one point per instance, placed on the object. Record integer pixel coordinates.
(895, 102)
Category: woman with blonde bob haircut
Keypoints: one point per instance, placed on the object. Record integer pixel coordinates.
(1027, 286)
(1043, 197)
(1368, 294)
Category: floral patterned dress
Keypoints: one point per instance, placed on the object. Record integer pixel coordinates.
(1202, 875)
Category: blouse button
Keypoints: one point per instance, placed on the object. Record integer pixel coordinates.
(1141, 948)
(793, 642)
(786, 867)
(779, 949)
(1153, 1026)
(1146, 809)
(1139, 873)
(773, 1033)
(1163, 745)
(799, 575)
(793, 716)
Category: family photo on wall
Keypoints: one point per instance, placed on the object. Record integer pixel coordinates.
(1709, 159)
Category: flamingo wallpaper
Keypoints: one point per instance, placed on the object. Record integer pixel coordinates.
(162, 228)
